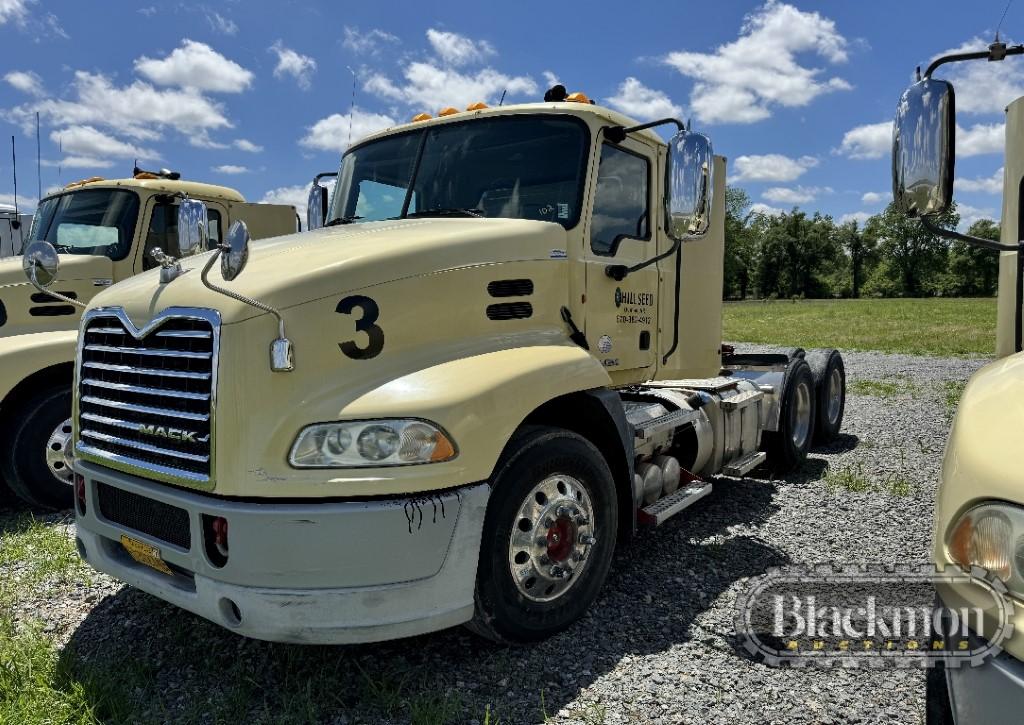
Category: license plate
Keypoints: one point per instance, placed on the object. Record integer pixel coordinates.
(145, 554)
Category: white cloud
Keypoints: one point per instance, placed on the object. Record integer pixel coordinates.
(246, 145)
(771, 167)
(221, 24)
(858, 216)
(290, 63)
(550, 79)
(870, 141)
(26, 82)
(87, 146)
(457, 50)
(760, 208)
(430, 87)
(743, 80)
(230, 169)
(637, 100)
(983, 87)
(987, 185)
(149, 11)
(981, 138)
(366, 43)
(196, 66)
(26, 204)
(798, 195)
(13, 11)
(79, 162)
(297, 196)
(332, 133)
(970, 214)
(875, 197)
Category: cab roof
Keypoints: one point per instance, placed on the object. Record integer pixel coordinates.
(167, 186)
(595, 115)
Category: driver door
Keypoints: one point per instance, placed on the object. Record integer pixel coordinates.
(622, 316)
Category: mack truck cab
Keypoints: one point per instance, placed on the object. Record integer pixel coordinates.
(499, 356)
(103, 231)
(979, 515)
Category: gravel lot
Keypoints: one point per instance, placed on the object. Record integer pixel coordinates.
(659, 646)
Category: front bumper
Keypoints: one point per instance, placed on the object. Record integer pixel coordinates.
(307, 572)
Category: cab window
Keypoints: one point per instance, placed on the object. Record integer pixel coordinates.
(620, 202)
(163, 232)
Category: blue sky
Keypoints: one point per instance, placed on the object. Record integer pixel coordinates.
(257, 95)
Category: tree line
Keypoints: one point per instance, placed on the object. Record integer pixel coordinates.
(796, 254)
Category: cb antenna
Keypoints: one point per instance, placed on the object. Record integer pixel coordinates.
(503, 96)
(39, 162)
(1002, 18)
(14, 167)
(352, 107)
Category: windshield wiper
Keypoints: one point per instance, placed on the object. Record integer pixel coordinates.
(446, 211)
(342, 220)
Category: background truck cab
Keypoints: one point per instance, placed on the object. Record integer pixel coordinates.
(105, 230)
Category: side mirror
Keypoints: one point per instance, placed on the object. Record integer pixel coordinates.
(234, 251)
(690, 185)
(193, 227)
(40, 263)
(923, 148)
(316, 206)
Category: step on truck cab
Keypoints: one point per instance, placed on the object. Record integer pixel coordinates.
(103, 231)
(499, 356)
(979, 515)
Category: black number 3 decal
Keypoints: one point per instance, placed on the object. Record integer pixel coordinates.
(366, 324)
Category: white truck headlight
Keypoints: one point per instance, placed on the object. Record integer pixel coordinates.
(991, 536)
(362, 443)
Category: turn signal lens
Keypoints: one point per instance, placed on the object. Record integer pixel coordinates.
(376, 443)
(448, 111)
(983, 537)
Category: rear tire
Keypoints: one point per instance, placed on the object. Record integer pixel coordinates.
(35, 470)
(788, 446)
(829, 392)
(548, 537)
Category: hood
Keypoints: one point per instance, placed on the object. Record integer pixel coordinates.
(73, 268)
(298, 268)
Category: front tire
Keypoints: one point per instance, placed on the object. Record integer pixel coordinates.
(788, 446)
(548, 537)
(37, 464)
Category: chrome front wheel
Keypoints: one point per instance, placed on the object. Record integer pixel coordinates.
(60, 453)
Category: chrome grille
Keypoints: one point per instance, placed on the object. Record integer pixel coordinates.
(146, 398)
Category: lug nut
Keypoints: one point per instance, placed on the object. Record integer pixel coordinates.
(577, 556)
(582, 520)
(548, 522)
(563, 511)
(557, 572)
(587, 540)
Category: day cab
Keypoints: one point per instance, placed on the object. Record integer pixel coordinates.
(979, 515)
(104, 231)
(500, 355)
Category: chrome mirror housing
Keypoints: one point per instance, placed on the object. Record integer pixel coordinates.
(316, 206)
(923, 148)
(234, 251)
(193, 227)
(40, 263)
(690, 185)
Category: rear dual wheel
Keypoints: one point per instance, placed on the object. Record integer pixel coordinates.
(548, 537)
(788, 446)
(830, 390)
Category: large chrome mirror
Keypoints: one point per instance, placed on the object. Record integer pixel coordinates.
(316, 206)
(923, 143)
(40, 263)
(690, 185)
(193, 227)
(234, 251)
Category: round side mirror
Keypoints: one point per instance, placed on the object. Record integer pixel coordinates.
(40, 263)
(193, 227)
(690, 185)
(234, 251)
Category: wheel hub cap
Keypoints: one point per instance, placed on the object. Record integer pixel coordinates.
(835, 395)
(551, 538)
(59, 453)
(801, 415)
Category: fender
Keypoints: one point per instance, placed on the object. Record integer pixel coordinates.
(24, 355)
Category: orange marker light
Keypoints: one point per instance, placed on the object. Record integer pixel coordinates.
(577, 97)
(478, 106)
(443, 450)
(447, 111)
(421, 117)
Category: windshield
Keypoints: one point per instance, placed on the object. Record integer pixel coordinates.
(517, 167)
(91, 221)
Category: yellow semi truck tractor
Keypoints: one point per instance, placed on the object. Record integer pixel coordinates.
(979, 516)
(103, 231)
(499, 356)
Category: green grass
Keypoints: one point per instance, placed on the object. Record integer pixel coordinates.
(852, 478)
(44, 555)
(883, 388)
(954, 390)
(935, 326)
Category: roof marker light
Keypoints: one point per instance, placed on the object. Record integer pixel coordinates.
(478, 106)
(447, 111)
(421, 117)
(577, 97)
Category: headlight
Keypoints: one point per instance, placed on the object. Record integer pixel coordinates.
(360, 443)
(991, 536)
